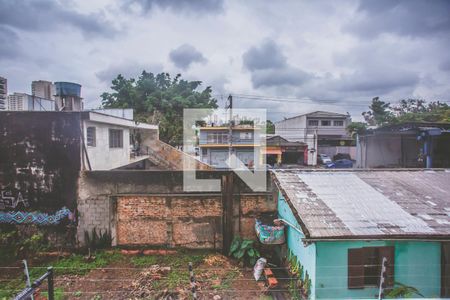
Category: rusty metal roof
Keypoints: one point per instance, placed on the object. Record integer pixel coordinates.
(369, 204)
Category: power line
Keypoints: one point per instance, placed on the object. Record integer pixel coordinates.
(330, 102)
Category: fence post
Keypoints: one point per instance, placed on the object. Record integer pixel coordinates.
(192, 280)
(51, 290)
(227, 211)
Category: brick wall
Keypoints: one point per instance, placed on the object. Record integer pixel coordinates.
(191, 221)
(149, 208)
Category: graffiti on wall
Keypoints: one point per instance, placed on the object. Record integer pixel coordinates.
(10, 201)
(37, 218)
(40, 161)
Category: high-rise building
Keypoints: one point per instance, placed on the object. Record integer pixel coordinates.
(44, 89)
(3, 93)
(22, 101)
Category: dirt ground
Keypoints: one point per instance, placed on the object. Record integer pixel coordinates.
(161, 277)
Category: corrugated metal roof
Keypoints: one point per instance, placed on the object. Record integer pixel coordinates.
(368, 204)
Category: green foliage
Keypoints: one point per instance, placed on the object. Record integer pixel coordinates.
(379, 113)
(159, 99)
(79, 265)
(407, 110)
(357, 128)
(144, 261)
(403, 291)
(244, 250)
(300, 283)
(95, 241)
(270, 127)
(14, 245)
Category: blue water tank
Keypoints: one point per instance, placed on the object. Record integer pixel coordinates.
(68, 89)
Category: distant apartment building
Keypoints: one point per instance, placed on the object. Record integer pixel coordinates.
(3, 93)
(323, 132)
(214, 144)
(25, 102)
(43, 89)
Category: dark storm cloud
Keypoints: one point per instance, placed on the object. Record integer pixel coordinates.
(8, 43)
(49, 15)
(279, 77)
(375, 82)
(415, 18)
(196, 7)
(269, 68)
(185, 55)
(268, 55)
(128, 70)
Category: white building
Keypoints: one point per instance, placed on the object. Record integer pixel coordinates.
(324, 132)
(3, 93)
(111, 142)
(22, 101)
(44, 89)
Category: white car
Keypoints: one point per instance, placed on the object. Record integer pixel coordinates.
(324, 159)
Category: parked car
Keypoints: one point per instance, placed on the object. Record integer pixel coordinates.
(342, 156)
(324, 159)
(340, 164)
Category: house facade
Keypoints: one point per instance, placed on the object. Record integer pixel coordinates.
(112, 142)
(323, 132)
(343, 224)
(280, 151)
(214, 144)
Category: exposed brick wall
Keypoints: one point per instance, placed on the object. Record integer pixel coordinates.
(191, 221)
(149, 208)
(251, 207)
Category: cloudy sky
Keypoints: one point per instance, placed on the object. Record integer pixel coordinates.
(296, 56)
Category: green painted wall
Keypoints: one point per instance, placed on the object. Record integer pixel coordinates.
(416, 264)
(305, 255)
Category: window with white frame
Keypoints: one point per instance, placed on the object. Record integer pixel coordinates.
(325, 123)
(115, 138)
(90, 136)
(338, 123)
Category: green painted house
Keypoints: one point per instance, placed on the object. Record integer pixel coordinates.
(343, 223)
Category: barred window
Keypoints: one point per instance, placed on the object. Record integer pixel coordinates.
(115, 138)
(338, 123)
(313, 122)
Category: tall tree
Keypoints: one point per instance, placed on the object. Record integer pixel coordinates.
(159, 99)
(407, 110)
(418, 110)
(379, 114)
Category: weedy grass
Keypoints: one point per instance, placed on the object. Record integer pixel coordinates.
(75, 264)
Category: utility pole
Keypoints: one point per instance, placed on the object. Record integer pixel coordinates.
(230, 129)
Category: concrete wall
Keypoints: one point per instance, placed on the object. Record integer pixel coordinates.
(39, 160)
(387, 151)
(150, 208)
(306, 254)
(416, 264)
(101, 156)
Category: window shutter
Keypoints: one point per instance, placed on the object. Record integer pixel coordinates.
(389, 253)
(356, 268)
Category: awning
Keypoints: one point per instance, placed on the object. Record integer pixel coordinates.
(271, 151)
